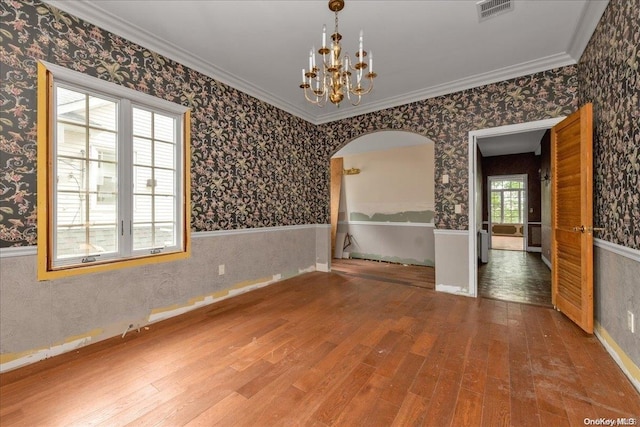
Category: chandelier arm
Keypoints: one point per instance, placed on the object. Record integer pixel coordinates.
(356, 103)
(317, 101)
(364, 91)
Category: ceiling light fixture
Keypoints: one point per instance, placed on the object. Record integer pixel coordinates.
(333, 79)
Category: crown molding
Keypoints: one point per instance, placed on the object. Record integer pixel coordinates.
(84, 10)
(494, 76)
(97, 16)
(587, 24)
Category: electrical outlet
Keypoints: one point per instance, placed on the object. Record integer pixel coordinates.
(220, 269)
(445, 179)
(457, 209)
(631, 322)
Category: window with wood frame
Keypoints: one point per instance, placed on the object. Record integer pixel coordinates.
(113, 175)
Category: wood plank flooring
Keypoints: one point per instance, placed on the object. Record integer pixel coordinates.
(412, 275)
(324, 349)
(515, 276)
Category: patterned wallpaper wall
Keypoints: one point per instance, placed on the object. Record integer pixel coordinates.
(609, 76)
(447, 120)
(253, 165)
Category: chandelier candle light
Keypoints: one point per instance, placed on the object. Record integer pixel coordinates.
(334, 78)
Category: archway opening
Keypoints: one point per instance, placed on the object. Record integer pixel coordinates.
(383, 204)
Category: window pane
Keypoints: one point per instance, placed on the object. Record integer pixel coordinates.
(102, 239)
(71, 140)
(164, 208)
(107, 191)
(66, 97)
(142, 206)
(164, 235)
(164, 155)
(71, 106)
(69, 241)
(69, 174)
(81, 241)
(164, 128)
(512, 206)
(142, 236)
(98, 171)
(142, 182)
(102, 213)
(164, 182)
(102, 113)
(141, 123)
(496, 206)
(70, 208)
(102, 145)
(142, 151)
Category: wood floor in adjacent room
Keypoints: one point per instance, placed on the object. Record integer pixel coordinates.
(326, 349)
(402, 274)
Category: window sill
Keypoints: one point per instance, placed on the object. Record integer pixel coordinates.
(46, 274)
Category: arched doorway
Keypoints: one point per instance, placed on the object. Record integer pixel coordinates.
(383, 200)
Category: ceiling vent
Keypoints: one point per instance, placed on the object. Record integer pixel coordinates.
(491, 8)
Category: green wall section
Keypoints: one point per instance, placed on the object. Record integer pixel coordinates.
(425, 217)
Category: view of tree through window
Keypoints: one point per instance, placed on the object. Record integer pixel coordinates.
(507, 201)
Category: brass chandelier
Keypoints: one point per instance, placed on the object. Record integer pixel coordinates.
(336, 76)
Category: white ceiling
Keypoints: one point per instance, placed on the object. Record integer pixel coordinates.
(421, 48)
(516, 143)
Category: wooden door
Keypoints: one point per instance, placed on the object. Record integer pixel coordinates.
(572, 217)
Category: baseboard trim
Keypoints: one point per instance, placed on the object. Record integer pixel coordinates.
(630, 369)
(534, 249)
(546, 261)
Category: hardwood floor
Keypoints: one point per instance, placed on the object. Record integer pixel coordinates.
(515, 276)
(412, 275)
(326, 349)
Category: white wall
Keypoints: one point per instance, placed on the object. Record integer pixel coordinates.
(388, 207)
(391, 181)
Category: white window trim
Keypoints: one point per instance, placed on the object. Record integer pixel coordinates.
(112, 89)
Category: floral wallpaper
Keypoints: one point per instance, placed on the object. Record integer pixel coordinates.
(253, 165)
(448, 119)
(609, 77)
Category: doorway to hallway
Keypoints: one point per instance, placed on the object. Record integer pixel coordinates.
(508, 212)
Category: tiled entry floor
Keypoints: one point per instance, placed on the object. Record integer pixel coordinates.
(515, 276)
